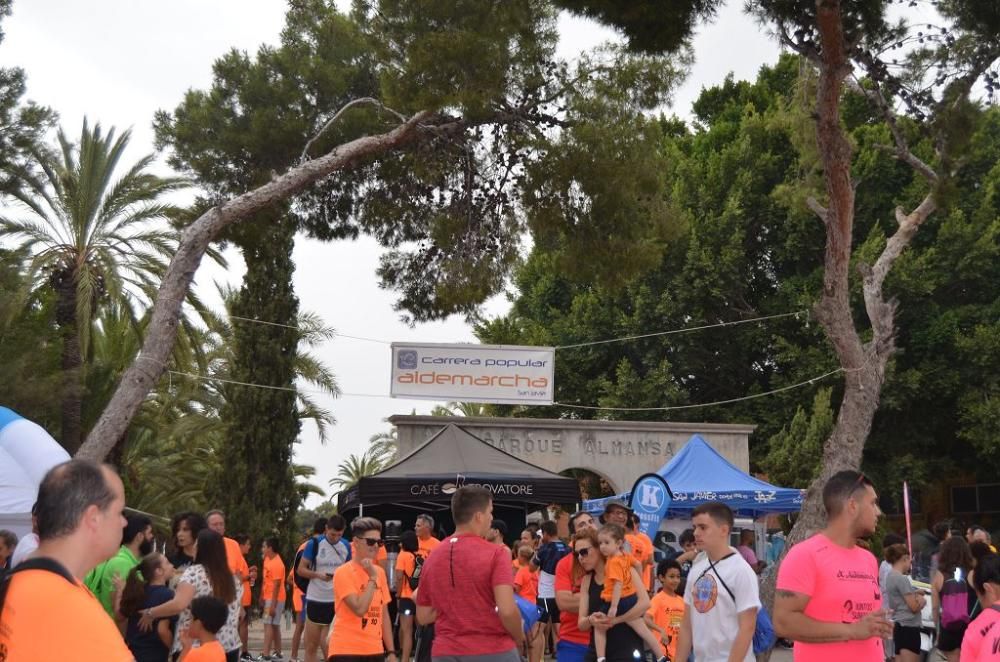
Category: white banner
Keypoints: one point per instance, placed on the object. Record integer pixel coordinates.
(498, 374)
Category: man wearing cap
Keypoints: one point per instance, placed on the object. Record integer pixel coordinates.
(573, 643)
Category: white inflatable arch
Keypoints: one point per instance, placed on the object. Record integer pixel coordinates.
(27, 452)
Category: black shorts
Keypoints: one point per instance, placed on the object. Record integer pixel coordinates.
(906, 638)
(406, 607)
(356, 658)
(950, 640)
(320, 613)
(550, 612)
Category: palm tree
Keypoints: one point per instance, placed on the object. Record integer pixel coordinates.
(355, 467)
(92, 237)
(468, 409)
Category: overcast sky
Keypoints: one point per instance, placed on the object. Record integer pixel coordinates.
(118, 61)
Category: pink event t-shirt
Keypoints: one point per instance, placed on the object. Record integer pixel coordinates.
(982, 638)
(457, 580)
(842, 585)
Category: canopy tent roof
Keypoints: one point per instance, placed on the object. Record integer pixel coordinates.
(698, 474)
(450, 459)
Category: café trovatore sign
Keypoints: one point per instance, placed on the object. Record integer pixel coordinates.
(618, 451)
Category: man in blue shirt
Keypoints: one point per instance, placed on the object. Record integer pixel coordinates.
(549, 553)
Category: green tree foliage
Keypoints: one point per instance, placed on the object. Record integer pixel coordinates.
(22, 124)
(751, 248)
(92, 232)
(794, 452)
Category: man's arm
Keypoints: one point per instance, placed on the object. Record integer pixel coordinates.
(568, 601)
(791, 622)
(510, 615)
(684, 636)
(741, 644)
(426, 615)
(305, 569)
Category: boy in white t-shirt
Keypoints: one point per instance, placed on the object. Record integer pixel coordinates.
(721, 595)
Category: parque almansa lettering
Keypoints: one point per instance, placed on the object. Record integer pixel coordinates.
(616, 450)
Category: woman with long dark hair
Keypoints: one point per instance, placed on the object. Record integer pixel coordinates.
(185, 528)
(146, 587)
(209, 575)
(955, 562)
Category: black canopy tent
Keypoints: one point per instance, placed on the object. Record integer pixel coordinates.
(424, 481)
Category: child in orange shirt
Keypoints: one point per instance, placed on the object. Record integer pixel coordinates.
(619, 594)
(208, 615)
(666, 608)
(526, 581)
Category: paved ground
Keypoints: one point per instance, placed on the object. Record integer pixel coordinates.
(257, 641)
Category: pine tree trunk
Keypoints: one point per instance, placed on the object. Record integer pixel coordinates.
(72, 361)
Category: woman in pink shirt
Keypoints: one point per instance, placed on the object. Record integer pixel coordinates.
(982, 637)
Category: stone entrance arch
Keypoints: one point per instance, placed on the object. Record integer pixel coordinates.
(618, 450)
(591, 482)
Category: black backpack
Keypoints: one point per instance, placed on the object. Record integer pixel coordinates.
(418, 563)
(301, 582)
(39, 563)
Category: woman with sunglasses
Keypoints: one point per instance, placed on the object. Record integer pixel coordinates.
(362, 631)
(623, 644)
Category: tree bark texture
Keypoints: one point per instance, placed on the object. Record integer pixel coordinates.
(863, 364)
(152, 360)
(71, 398)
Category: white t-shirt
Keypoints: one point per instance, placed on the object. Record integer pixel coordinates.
(25, 546)
(329, 557)
(714, 615)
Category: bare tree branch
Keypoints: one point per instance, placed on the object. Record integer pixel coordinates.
(161, 333)
(817, 208)
(336, 116)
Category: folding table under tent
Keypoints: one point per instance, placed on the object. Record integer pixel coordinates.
(699, 474)
(424, 480)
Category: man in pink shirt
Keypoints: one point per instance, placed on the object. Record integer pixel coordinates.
(466, 588)
(828, 599)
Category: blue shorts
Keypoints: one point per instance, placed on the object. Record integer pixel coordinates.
(567, 651)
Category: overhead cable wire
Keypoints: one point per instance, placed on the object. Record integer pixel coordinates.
(684, 330)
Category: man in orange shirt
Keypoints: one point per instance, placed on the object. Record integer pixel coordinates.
(645, 556)
(48, 614)
(424, 528)
(272, 595)
(216, 520)
(362, 629)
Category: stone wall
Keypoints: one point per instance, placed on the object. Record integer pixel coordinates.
(619, 451)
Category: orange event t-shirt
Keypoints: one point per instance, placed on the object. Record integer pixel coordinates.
(641, 552)
(274, 571)
(667, 611)
(618, 568)
(352, 634)
(234, 558)
(406, 565)
(45, 617)
(425, 547)
(210, 652)
(526, 584)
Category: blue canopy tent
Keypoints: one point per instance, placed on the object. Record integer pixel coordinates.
(698, 474)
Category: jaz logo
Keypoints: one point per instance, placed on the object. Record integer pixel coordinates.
(406, 359)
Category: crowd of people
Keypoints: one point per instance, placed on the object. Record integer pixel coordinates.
(596, 597)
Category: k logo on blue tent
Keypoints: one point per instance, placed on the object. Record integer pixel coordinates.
(650, 500)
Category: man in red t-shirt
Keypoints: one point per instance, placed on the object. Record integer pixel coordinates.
(573, 642)
(466, 588)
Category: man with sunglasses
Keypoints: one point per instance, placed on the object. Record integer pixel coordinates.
(362, 631)
(467, 591)
(828, 599)
(573, 642)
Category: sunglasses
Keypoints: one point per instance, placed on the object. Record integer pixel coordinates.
(373, 542)
(580, 553)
